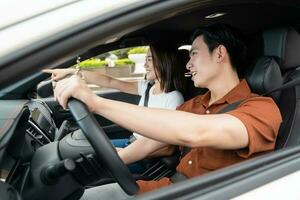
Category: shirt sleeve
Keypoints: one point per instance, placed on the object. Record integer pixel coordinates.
(142, 86)
(262, 119)
(174, 100)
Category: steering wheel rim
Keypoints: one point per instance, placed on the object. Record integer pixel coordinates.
(102, 146)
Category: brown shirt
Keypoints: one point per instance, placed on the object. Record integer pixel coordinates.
(261, 117)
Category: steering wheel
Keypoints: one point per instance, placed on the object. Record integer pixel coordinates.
(102, 146)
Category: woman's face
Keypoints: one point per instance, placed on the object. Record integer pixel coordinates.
(150, 73)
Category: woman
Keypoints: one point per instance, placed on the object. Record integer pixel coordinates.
(165, 70)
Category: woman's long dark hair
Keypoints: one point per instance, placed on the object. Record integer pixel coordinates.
(169, 67)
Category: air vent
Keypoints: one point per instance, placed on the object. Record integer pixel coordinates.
(35, 133)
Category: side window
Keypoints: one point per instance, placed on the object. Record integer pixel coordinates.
(126, 64)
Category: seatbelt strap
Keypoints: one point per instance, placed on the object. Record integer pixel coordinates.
(149, 85)
(132, 138)
(286, 85)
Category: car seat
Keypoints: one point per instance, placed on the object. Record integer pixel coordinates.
(284, 45)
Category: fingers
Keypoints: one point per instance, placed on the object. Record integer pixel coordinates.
(56, 74)
(72, 87)
(55, 77)
(53, 72)
(67, 88)
(49, 71)
(62, 92)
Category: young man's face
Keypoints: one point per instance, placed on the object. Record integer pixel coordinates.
(202, 64)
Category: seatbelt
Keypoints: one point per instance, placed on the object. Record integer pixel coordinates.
(149, 85)
(179, 176)
(132, 138)
(286, 85)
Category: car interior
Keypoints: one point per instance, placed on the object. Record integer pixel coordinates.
(43, 160)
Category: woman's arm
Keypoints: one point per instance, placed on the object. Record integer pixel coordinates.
(96, 78)
(142, 148)
(110, 82)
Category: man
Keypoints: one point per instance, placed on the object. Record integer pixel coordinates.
(217, 140)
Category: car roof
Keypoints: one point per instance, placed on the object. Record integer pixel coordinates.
(251, 17)
(248, 16)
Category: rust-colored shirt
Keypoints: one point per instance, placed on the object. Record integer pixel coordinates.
(261, 117)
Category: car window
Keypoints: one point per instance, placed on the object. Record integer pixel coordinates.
(125, 64)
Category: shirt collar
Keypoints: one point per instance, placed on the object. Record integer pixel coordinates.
(240, 91)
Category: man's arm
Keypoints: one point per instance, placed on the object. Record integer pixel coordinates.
(96, 78)
(176, 127)
(142, 148)
(168, 126)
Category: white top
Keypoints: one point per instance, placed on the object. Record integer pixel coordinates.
(163, 100)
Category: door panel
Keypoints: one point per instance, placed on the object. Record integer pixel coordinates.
(113, 130)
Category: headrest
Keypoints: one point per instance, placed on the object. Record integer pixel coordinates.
(264, 76)
(284, 44)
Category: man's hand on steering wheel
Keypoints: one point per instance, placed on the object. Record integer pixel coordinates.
(73, 87)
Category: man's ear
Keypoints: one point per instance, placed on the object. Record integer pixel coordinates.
(221, 53)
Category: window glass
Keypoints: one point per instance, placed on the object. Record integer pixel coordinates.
(125, 64)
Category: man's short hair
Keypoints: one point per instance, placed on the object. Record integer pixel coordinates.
(222, 34)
